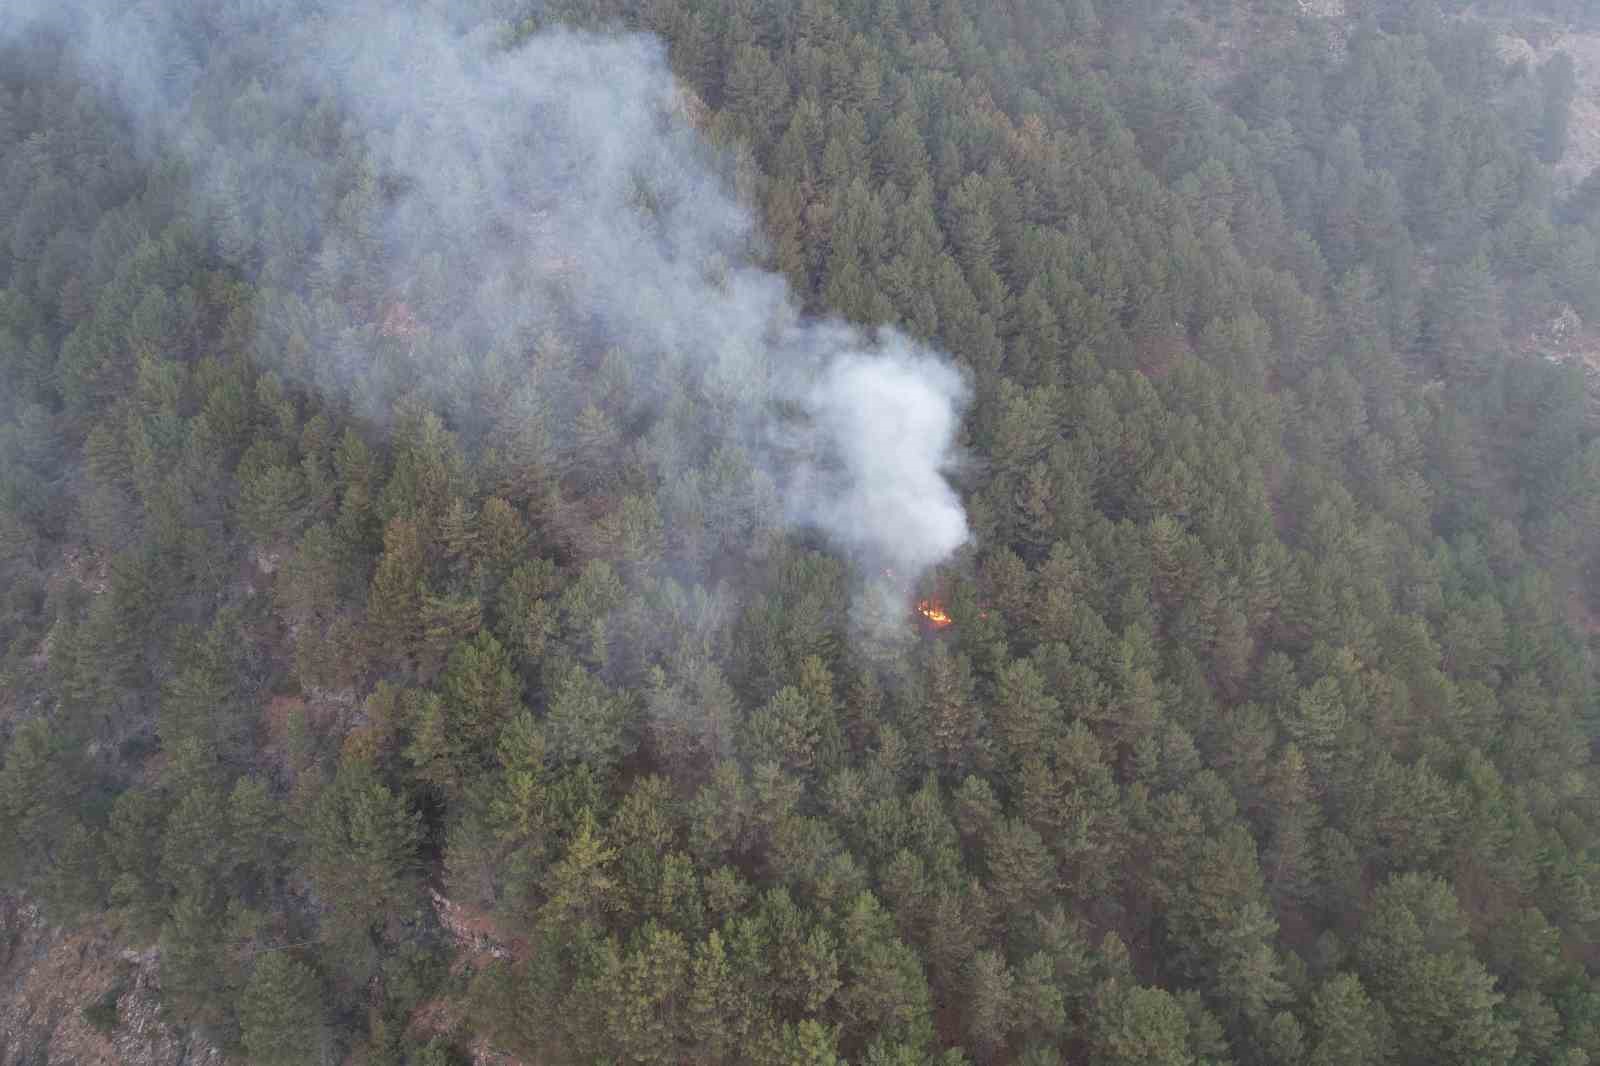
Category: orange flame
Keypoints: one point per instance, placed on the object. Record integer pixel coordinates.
(934, 612)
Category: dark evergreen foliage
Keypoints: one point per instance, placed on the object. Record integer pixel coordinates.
(1263, 731)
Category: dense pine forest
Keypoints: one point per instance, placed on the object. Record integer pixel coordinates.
(409, 628)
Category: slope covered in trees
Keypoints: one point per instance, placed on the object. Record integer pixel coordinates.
(1262, 731)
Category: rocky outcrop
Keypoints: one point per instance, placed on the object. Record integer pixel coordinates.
(1322, 9)
(1535, 42)
(471, 934)
(48, 976)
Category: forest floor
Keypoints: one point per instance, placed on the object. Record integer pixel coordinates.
(1536, 40)
(49, 975)
(478, 942)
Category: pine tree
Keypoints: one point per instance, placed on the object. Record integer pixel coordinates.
(954, 722)
(1415, 954)
(197, 982)
(394, 604)
(281, 1012)
(362, 846)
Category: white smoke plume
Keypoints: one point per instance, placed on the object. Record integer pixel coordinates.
(893, 417)
(502, 191)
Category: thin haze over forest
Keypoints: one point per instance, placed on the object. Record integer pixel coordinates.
(560, 174)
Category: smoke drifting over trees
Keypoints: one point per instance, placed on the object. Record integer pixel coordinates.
(509, 189)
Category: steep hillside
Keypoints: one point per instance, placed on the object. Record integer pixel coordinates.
(893, 532)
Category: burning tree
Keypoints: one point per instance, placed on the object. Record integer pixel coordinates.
(933, 614)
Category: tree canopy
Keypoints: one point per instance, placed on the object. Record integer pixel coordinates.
(1256, 724)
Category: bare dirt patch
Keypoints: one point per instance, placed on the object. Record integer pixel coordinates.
(48, 976)
(1535, 41)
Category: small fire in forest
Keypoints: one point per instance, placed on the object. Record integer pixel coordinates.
(934, 612)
